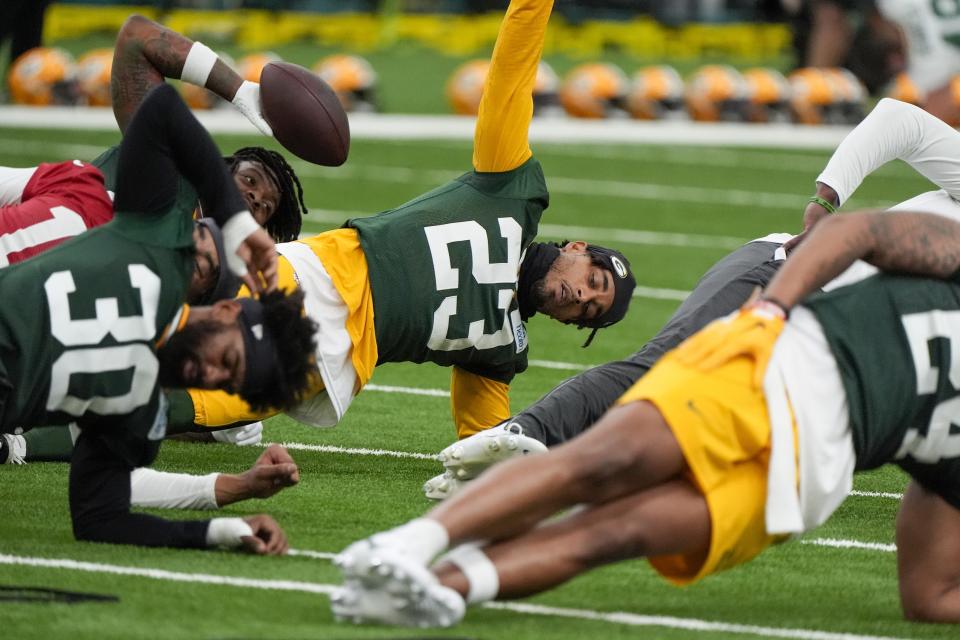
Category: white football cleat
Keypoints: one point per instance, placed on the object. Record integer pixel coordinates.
(13, 449)
(442, 486)
(383, 585)
(468, 458)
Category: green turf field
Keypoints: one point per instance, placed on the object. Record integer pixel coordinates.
(674, 211)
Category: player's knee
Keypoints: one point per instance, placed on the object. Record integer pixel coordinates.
(86, 529)
(931, 604)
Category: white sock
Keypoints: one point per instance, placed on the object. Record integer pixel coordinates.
(480, 572)
(150, 488)
(422, 538)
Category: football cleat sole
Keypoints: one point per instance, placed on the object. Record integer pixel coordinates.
(468, 458)
(383, 586)
(442, 486)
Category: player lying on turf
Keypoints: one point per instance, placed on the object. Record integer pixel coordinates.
(893, 130)
(451, 276)
(108, 329)
(696, 466)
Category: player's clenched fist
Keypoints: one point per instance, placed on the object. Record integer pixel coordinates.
(267, 539)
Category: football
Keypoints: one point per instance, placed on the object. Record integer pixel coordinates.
(305, 114)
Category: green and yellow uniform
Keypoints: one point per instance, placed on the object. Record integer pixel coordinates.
(435, 280)
(895, 341)
(76, 346)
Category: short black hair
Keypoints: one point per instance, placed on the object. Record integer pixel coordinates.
(294, 336)
(284, 225)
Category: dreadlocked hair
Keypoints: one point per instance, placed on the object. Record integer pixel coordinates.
(294, 337)
(284, 225)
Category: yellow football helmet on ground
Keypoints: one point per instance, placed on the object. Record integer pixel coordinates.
(353, 78)
(546, 91)
(717, 92)
(768, 95)
(656, 93)
(812, 95)
(465, 86)
(827, 96)
(93, 76)
(43, 76)
(595, 90)
(851, 96)
(250, 66)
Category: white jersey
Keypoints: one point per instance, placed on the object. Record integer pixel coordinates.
(896, 130)
(13, 182)
(932, 31)
(893, 130)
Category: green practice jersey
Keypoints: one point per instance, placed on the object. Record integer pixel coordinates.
(79, 324)
(896, 340)
(443, 271)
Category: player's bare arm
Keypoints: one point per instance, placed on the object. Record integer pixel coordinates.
(145, 54)
(273, 471)
(915, 243)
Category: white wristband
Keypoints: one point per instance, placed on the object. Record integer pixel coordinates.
(480, 572)
(235, 231)
(227, 532)
(198, 65)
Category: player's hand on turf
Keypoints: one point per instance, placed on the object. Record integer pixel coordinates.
(247, 101)
(273, 471)
(750, 332)
(267, 539)
(260, 256)
(241, 436)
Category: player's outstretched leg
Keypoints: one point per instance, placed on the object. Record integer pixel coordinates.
(386, 586)
(630, 450)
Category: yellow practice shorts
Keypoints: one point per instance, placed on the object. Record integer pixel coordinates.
(721, 423)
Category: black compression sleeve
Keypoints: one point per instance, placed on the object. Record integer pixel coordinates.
(163, 142)
(100, 504)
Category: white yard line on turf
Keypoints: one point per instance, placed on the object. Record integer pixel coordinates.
(413, 391)
(877, 494)
(619, 617)
(850, 544)
(163, 574)
(355, 451)
(671, 622)
(327, 448)
(306, 553)
(51, 150)
(564, 366)
(634, 190)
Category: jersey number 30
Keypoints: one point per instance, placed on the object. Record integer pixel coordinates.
(84, 355)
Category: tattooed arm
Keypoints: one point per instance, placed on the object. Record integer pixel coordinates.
(145, 54)
(921, 244)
